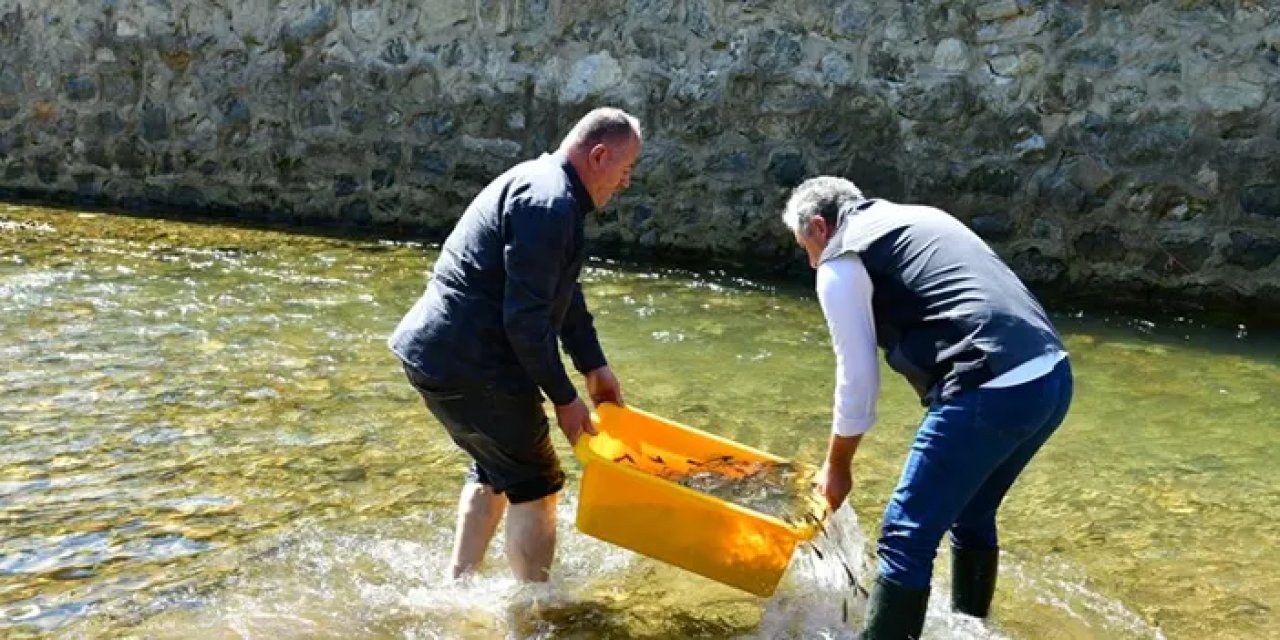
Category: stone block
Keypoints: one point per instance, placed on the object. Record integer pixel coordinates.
(14, 171)
(890, 65)
(994, 226)
(120, 88)
(366, 24)
(1062, 93)
(1178, 256)
(189, 197)
(428, 161)
(1093, 58)
(1100, 245)
(432, 124)
(1232, 97)
(80, 88)
(1014, 66)
(389, 152)
(153, 122)
(353, 119)
(998, 10)
(951, 55)
(787, 169)
(1022, 27)
(1148, 143)
(383, 179)
(731, 163)
(129, 155)
(698, 18)
(107, 123)
(495, 147)
(774, 52)
(1091, 174)
(395, 52)
(1249, 251)
(96, 154)
(1056, 192)
(590, 77)
(935, 99)
(992, 178)
(315, 114)
(1037, 268)
(11, 141)
(174, 52)
(1261, 199)
(356, 212)
(48, 168)
(851, 19)
(10, 82)
(309, 29)
(345, 185)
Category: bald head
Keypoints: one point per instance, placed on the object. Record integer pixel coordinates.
(605, 125)
(603, 148)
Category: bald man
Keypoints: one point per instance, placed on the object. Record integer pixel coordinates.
(481, 344)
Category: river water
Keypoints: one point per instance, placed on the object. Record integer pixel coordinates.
(203, 436)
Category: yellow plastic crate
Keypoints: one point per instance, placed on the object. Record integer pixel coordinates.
(623, 503)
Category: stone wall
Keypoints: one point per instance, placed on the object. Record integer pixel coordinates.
(1124, 148)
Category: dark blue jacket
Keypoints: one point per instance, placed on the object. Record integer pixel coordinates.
(505, 287)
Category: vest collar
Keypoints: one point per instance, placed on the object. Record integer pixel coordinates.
(836, 245)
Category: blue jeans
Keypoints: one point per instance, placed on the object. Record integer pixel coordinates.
(967, 453)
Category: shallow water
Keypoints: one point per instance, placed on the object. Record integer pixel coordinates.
(202, 436)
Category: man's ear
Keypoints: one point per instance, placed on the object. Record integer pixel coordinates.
(820, 227)
(598, 153)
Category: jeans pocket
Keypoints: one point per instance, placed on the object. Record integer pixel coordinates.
(1008, 412)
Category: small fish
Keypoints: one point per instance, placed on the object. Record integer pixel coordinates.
(849, 572)
(693, 463)
(844, 610)
(625, 456)
(816, 551)
(657, 459)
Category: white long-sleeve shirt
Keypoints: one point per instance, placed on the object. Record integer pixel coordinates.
(844, 291)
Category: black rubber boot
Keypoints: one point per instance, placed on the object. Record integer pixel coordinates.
(973, 580)
(894, 612)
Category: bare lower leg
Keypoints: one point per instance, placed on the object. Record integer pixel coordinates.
(531, 538)
(479, 511)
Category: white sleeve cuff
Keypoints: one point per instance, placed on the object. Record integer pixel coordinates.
(855, 426)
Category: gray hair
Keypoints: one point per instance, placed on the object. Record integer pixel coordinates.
(823, 196)
(603, 125)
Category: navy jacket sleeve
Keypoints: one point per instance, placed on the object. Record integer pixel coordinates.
(578, 332)
(535, 239)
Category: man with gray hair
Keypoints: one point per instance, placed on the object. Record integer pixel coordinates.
(481, 342)
(978, 349)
